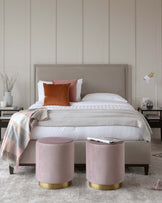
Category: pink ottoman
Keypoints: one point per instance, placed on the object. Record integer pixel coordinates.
(54, 162)
(105, 164)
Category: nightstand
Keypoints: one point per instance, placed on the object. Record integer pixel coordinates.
(153, 116)
(5, 115)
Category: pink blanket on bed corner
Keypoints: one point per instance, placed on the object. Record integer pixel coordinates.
(17, 135)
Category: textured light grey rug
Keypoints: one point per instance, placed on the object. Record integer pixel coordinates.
(23, 186)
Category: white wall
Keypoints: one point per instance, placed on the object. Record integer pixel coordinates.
(81, 31)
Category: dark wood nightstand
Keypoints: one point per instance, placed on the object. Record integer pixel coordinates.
(5, 115)
(153, 116)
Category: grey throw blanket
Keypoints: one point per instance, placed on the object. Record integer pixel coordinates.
(97, 117)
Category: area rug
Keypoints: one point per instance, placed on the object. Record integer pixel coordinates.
(23, 187)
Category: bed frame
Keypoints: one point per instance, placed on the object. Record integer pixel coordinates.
(114, 78)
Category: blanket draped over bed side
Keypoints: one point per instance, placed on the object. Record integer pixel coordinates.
(17, 135)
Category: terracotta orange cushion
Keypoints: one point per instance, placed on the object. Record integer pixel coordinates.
(56, 94)
(72, 90)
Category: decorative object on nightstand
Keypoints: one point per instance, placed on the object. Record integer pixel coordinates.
(5, 115)
(149, 104)
(8, 98)
(153, 116)
(8, 86)
(146, 103)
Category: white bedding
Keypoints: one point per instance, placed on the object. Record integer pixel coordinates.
(82, 132)
(87, 105)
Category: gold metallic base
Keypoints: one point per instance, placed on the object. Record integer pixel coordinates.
(104, 187)
(55, 186)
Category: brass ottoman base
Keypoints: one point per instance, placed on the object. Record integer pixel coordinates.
(55, 186)
(104, 187)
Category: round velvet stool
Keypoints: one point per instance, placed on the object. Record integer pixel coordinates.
(54, 162)
(105, 164)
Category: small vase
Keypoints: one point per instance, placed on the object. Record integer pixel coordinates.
(8, 99)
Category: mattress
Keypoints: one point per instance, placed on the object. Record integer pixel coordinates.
(128, 132)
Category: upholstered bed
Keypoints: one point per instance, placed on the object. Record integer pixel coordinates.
(96, 78)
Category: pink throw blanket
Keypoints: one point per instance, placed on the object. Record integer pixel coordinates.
(17, 135)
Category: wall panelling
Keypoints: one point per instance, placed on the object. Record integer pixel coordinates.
(81, 31)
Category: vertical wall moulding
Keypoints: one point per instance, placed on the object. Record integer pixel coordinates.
(120, 31)
(109, 31)
(43, 35)
(158, 53)
(2, 37)
(159, 47)
(69, 36)
(96, 31)
(17, 48)
(138, 47)
(132, 60)
(82, 31)
(148, 48)
(29, 51)
(53, 32)
(160, 68)
(56, 31)
(106, 51)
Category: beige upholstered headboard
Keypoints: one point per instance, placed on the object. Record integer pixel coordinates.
(114, 78)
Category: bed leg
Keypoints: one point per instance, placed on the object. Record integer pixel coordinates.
(146, 168)
(11, 170)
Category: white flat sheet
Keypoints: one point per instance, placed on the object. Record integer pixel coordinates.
(81, 133)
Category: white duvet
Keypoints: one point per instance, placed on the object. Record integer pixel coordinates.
(127, 132)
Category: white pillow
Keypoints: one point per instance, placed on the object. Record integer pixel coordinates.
(79, 88)
(104, 97)
(41, 90)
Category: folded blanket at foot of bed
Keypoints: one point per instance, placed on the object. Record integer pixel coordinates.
(17, 135)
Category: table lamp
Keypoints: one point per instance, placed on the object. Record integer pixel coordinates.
(147, 79)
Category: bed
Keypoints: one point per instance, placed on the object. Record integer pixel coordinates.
(96, 78)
